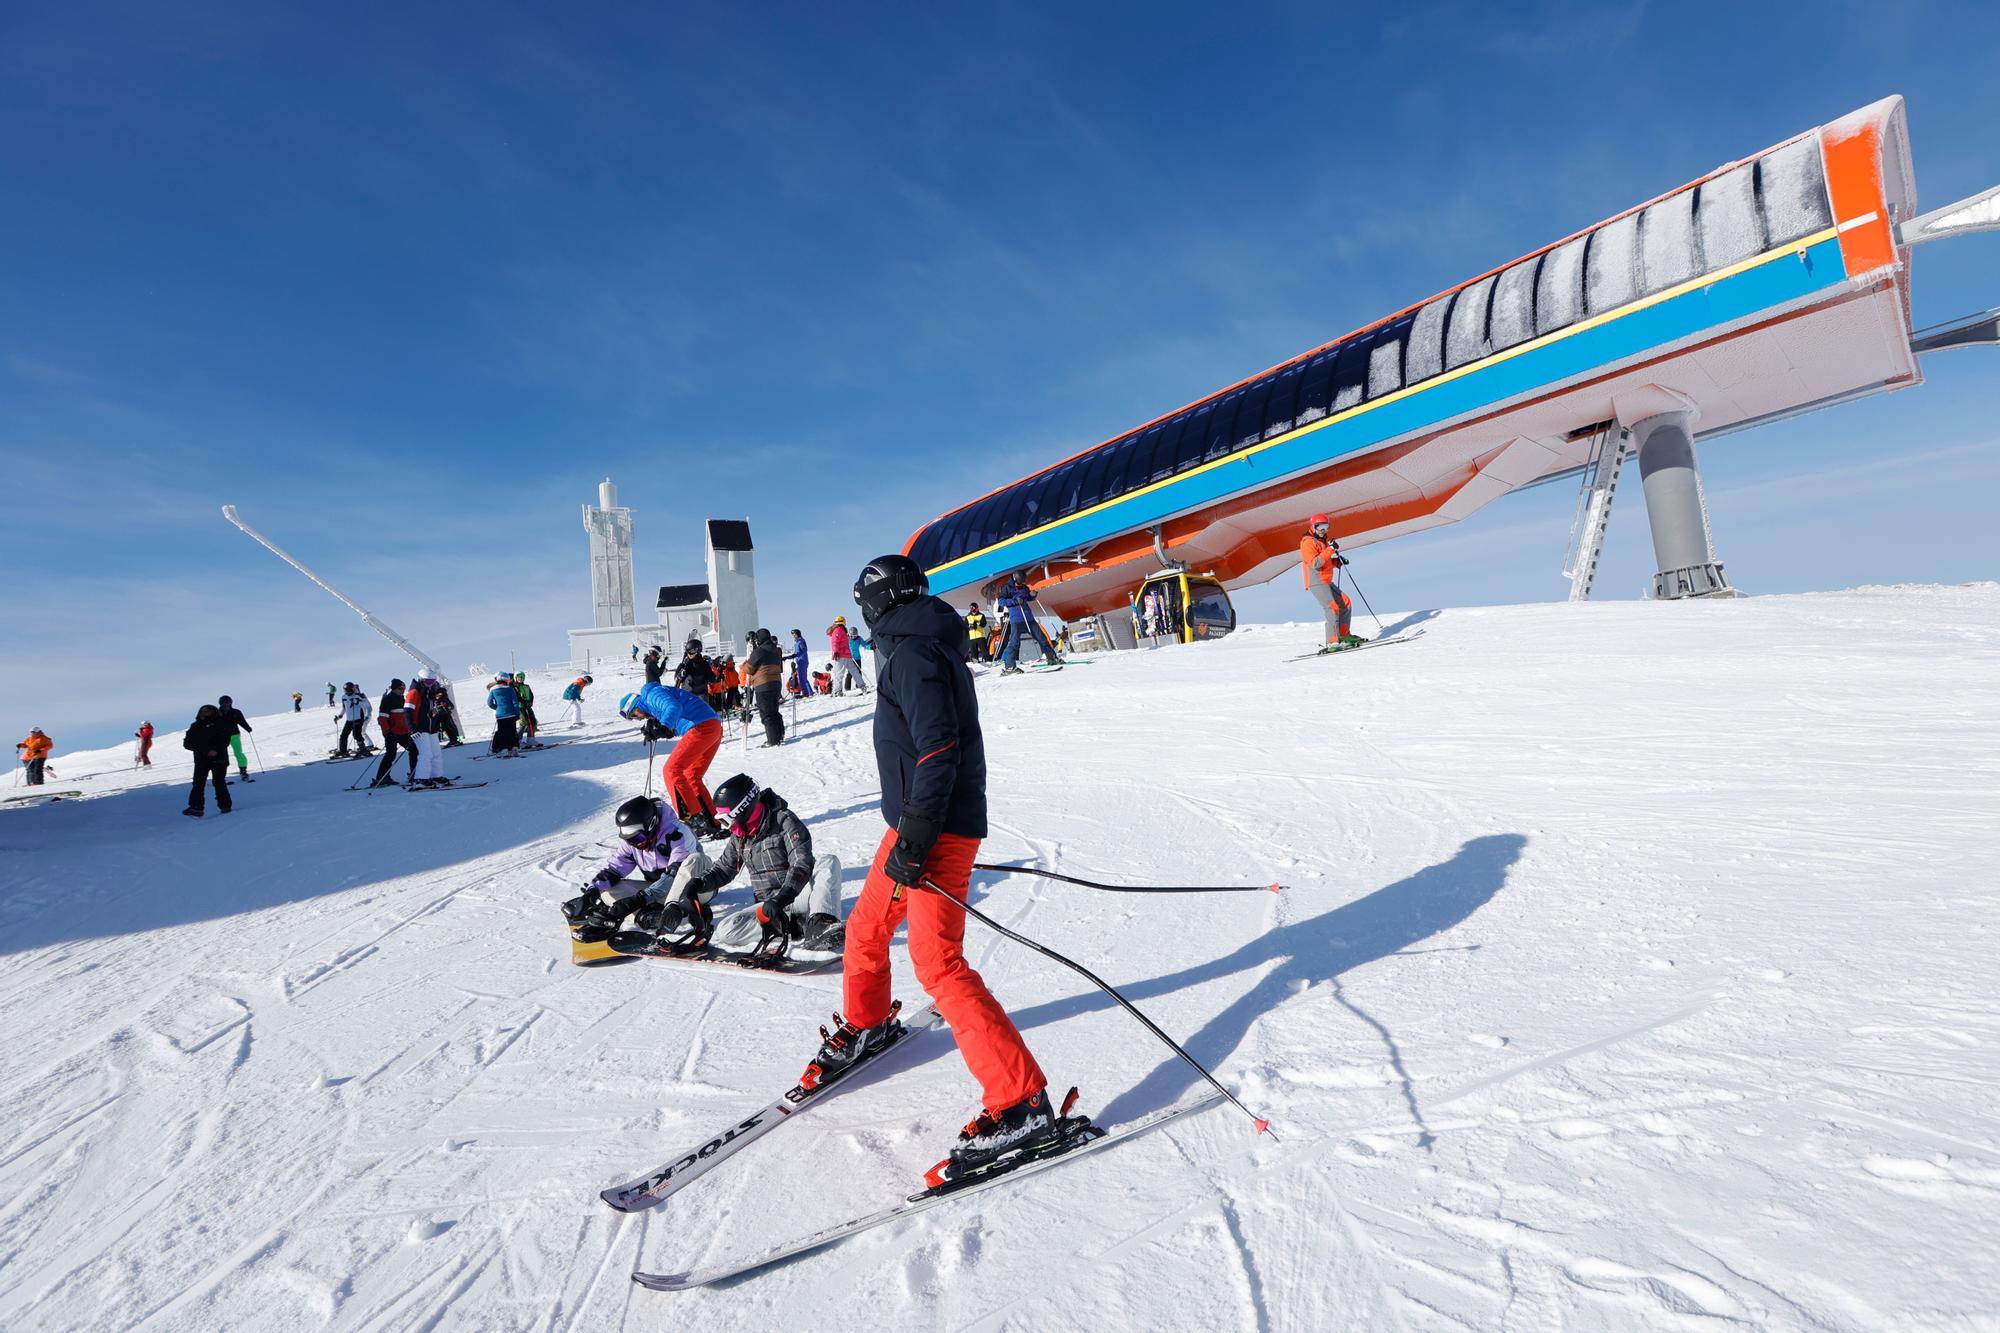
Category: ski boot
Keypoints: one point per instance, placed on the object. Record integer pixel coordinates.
(824, 933)
(591, 919)
(1022, 1128)
(1351, 640)
(847, 1046)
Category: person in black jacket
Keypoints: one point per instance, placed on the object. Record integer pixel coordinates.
(233, 724)
(931, 760)
(695, 672)
(764, 681)
(207, 739)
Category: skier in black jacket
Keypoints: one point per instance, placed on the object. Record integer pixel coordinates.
(233, 723)
(764, 680)
(207, 739)
(931, 761)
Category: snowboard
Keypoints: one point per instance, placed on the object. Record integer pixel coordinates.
(638, 944)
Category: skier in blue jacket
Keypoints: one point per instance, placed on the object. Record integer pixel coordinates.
(675, 712)
(801, 665)
(506, 706)
(1018, 601)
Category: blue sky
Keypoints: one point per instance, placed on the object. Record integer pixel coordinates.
(404, 281)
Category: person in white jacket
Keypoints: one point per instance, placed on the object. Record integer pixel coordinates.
(355, 710)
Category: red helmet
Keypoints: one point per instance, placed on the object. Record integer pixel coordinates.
(1318, 521)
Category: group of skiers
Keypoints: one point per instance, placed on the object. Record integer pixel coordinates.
(411, 718)
(931, 766)
(512, 700)
(796, 893)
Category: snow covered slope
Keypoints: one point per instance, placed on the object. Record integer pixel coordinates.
(1637, 971)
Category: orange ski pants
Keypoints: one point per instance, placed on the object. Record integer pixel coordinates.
(987, 1038)
(685, 774)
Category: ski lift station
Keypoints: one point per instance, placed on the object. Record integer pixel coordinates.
(1770, 287)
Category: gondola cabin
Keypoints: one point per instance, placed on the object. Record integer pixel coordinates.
(1174, 606)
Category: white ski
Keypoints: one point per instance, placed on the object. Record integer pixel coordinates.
(916, 1203)
(681, 1170)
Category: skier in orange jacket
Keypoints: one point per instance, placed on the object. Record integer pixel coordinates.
(1320, 558)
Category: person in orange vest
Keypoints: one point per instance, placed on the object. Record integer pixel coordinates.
(732, 686)
(145, 735)
(1319, 554)
(35, 754)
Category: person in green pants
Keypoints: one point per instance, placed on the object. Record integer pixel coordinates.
(235, 723)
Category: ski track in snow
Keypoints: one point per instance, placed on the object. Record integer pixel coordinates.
(1633, 971)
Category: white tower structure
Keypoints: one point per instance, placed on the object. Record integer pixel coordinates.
(732, 581)
(610, 530)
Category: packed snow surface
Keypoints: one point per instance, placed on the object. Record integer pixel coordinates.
(1635, 968)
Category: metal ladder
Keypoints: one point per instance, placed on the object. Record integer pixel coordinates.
(1593, 509)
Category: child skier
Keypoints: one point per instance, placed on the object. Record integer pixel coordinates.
(654, 847)
(529, 723)
(798, 894)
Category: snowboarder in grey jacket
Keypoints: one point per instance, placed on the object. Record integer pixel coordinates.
(797, 893)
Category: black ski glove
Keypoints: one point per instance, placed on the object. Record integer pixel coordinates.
(779, 928)
(659, 918)
(916, 833)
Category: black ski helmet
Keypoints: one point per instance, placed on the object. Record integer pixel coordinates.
(888, 581)
(736, 798)
(638, 818)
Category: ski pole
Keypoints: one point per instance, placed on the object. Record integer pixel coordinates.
(1364, 598)
(649, 766)
(254, 751)
(1263, 1125)
(1129, 888)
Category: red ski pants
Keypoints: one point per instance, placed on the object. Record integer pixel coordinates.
(685, 774)
(986, 1037)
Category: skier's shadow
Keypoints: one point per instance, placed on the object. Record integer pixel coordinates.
(1410, 621)
(839, 813)
(1318, 949)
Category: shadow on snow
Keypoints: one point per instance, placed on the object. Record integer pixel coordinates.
(295, 835)
(1318, 949)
